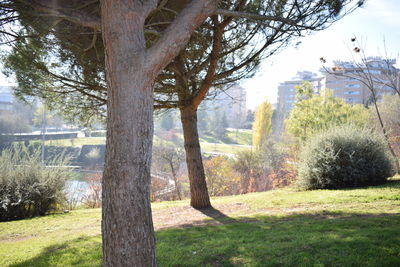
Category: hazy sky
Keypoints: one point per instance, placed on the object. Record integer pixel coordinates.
(376, 21)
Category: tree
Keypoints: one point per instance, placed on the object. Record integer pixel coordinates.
(315, 112)
(112, 52)
(228, 47)
(262, 124)
(167, 159)
(249, 164)
(167, 122)
(389, 108)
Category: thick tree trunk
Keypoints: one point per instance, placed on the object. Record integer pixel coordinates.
(127, 227)
(199, 197)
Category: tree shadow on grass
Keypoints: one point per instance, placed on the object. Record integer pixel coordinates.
(217, 215)
(82, 251)
(323, 239)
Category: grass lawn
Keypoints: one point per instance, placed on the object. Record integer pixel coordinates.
(222, 148)
(77, 141)
(353, 227)
(241, 137)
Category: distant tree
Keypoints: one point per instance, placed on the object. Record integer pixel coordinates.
(249, 164)
(167, 159)
(262, 124)
(316, 112)
(218, 123)
(203, 121)
(167, 121)
(13, 123)
(249, 119)
(221, 124)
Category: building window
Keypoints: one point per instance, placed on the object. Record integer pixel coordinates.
(350, 100)
(354, 85)
(352, 92)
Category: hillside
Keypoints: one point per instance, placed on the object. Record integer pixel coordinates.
(353, 227)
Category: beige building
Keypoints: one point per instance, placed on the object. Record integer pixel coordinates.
(347, 80)
(287, 91)
(356, 83)
(232, 103)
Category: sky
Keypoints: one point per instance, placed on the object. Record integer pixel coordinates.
(377, 21)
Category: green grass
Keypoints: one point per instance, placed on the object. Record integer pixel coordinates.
(242, 137)
(77, 141)
(222, 148)
(286, 227)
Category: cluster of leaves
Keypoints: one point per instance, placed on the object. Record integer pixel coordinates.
(27, 188)
(317, 112)
(266, 168)
(10, 123)
(344, 156)
(221, 177)
(262, 124)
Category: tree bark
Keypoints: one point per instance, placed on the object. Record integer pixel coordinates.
(131, 70)
(198, 187)
(127, 227)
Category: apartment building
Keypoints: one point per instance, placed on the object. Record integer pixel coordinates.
(348, 80)
(6, 99)
(231, 102)
(287, 91)
(354, 82)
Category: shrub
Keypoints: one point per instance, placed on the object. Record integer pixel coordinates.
(221, 177)
(27, 188)
(92, 194)
(249, 165)
(342, 157)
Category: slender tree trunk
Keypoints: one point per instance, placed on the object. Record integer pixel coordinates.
(199, 197)
(177, 189)
(385, 134)
(127, 227)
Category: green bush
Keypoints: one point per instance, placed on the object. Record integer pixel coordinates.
(342, 157)
(27, 188)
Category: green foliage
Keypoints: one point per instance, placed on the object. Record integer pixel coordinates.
(262, 124)
(218, 124)
(313, 113)
(342, 157)
(27, 188)
(12, 123)
(249, 164)
(167, 122)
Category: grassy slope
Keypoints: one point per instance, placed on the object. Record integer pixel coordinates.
(209, 144)
(357, 227)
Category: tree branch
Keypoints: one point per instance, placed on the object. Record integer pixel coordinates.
(175, 37)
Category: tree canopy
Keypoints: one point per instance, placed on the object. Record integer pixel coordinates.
(58, 51)
(315, 112)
